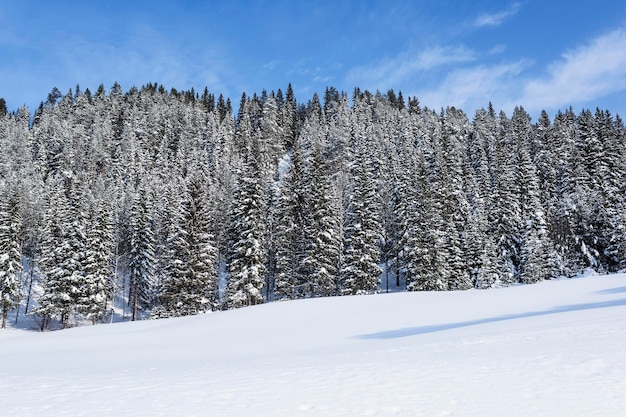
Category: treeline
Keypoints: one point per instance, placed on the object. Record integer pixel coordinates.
(170, 203)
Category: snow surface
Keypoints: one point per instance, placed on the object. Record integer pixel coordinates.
(556, 348)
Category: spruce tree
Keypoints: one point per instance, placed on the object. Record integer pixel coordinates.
(10, 256)
(64, 254)
(99, 284)
(361, 272)
(247, 257)
(191, 284)
(289, 238)
(323, 249)
(142, 262)
(423, 237)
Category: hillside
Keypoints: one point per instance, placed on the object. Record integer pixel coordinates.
(147, 195)
(556, 348)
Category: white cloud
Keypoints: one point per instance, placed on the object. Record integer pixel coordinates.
(582, 75)
(496, 19)
(497, 50)
(145, 56)
(323, 79)
(401, 69)
(271, 65)
(474, 87)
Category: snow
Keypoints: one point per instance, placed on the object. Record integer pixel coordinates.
(556, 348)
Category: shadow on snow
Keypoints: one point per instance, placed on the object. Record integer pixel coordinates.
(414, 331)
(612, 291)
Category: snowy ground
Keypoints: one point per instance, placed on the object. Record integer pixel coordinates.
(551, 349)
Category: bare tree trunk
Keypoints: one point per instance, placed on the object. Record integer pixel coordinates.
(397, 265)
(134, 303)
(30, 283)
(116, 276)
(387, 275)
(123, 292)
(44, 322)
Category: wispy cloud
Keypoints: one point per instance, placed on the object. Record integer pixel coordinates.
(141, 55)
(498, 18)
(399, 70)
(271, 65)
(582, 75)
(579, 77)
(474, 87)
(133, 61)
(497, 50)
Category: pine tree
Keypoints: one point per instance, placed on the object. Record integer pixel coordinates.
(247, 258)
(536, 249)
(289, 238)
(588, 210)
(324, 243)
(142, 262)
(99, 284)
(10, 256)
(361, 272)
(561, 206)
(612, 173)
(505, 216)
(289, 118)
(423, 238)
(191, 285)
(64, 253)
(271, 136)
(453, 184)
(617, 241)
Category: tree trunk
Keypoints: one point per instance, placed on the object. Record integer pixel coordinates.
(387, 275)
(134, 303)
(397, 265)
(30, 284)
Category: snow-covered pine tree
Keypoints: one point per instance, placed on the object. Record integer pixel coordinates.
(587, 198)
(361, 273)
(289, 121)
(191, 284)
(536, 261)
(223, 165)
(402, 202)
(561, 204)
(271, 136)
(479, 188)
(289, 229)
(142, 262)
(10, 255)
(422, 238)
(99, 283)
(612, 173)
(454, 182)
(505, 217)
(64, 251)
(617, 236)
(247, 257)
(324, 241)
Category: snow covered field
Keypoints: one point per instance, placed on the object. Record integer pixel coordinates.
(556, 348)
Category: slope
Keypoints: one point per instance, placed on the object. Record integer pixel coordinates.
(555, 348)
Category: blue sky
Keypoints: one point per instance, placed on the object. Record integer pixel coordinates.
(537, 53)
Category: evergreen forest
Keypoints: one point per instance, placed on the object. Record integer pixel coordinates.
(163, 203)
